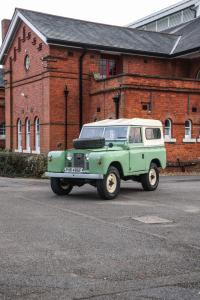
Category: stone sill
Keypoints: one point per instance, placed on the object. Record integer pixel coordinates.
(18, 151)
(26, 151)
(36, 152)
(189, 141)
(170, 141)
(2, 137)
(198, 140)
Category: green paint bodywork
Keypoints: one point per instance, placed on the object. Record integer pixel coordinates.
(132, 159)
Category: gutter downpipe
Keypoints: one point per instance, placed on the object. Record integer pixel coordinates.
(81, 58)
(11, 105)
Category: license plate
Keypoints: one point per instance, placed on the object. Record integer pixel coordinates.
(73, 170)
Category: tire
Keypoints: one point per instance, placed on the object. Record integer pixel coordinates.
(89, 143)
(150, 180)
(109, 187)
(60, 186)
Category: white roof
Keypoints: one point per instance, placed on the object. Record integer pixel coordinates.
(164, 12)
(126, 122)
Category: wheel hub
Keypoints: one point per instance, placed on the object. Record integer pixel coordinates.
(152, 177)
(111, 183)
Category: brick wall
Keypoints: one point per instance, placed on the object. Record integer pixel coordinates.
(39, 92)
(26, 91)
(170, 99)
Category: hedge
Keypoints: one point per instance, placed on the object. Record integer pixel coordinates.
(22, 165)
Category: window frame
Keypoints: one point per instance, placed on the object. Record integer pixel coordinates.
(153, 139)
(169, 135)
(107, 67)
(188, 136)
(19, 135)
(37, 134)
(28, 135)
(135, 143)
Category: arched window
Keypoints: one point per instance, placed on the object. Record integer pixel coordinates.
(28, 133)
(19, 135)
(168, 129)
(188, 129)
(37, 135)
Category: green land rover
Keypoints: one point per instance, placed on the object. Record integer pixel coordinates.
(107, 152)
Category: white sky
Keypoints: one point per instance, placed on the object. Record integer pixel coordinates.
(117, 12)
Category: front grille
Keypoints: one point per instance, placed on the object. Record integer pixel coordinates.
(79, 160)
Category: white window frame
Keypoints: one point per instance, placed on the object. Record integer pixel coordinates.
(188, 133)
(28, 136)
(19, 135)
(37, 135)
(168, 136)
(188, 130)
(168, 129)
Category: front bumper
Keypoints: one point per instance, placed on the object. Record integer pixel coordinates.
(74, 175)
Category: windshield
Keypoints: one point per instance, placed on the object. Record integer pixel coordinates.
(110, 133)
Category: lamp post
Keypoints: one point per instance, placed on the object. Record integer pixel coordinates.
(116, 100)
(66, 93)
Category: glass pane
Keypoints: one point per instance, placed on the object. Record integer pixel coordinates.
(153, 133)
(135, 135)
(92, 132)
(116, 133)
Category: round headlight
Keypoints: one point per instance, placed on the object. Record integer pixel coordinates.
(69, 156)
(87, 156)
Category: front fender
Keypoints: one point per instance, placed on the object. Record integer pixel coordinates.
(56, 161)
(100, 162)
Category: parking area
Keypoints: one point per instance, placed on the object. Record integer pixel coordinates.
(143, 245)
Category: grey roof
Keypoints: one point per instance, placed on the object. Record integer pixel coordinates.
(71, 32)
(1, 78)
(190, 37)
(77, 32)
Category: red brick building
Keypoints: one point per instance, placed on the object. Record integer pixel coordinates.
(61, 73)
(2, 111)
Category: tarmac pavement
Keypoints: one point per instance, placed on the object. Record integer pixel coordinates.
(143, 245)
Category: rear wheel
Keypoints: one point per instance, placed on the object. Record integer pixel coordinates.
(109, 187)
(150, 180)
(61, 186)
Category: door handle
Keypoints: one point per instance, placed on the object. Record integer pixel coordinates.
(142, 156)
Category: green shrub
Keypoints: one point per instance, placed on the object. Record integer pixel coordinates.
(22, 165)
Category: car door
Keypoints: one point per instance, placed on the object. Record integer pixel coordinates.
(136, 146)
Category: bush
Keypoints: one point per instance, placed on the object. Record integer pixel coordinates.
(22, 165)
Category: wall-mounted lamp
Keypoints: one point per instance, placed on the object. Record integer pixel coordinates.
(23, 95)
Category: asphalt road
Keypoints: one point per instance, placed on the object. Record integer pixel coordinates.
(144, 245)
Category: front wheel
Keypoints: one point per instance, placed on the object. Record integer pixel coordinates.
(150, 180)
(109, 187)
(60, 186)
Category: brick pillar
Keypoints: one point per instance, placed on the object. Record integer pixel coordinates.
(4, 27)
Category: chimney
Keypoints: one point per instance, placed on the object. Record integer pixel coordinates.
(4, 27)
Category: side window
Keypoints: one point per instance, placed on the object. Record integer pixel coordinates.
(153, 133)
(135, 135)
